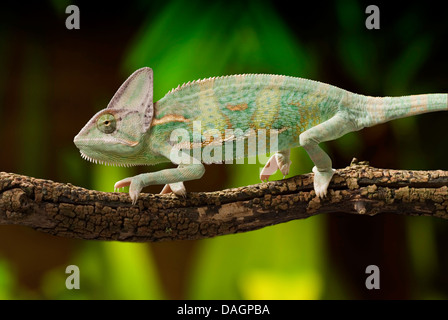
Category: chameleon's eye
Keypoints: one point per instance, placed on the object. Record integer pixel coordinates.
(107, 123)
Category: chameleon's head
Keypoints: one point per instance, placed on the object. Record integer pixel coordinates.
(115, 134)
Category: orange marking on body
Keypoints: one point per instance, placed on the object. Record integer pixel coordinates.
(419, 106)
(297, 104)
(170, 118)
(237, 107)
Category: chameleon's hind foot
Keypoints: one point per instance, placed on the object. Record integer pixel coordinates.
(275, 162)
(177, 188)
(322, 180)
(283, 163)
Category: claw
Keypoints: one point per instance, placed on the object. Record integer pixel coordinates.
(134, 196)
(285, 169)
(135, 187)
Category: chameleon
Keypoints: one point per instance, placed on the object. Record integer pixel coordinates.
(135, 130)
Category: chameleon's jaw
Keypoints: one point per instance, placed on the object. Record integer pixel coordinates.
(107, 151)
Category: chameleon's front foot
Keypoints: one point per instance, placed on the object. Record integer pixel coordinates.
(322, 180)
(135, 187)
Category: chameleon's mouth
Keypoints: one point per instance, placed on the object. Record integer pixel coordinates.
(115, 164)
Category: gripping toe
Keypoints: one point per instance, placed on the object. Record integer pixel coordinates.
(322, 180)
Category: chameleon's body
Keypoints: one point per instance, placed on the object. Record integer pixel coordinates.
(134, 131)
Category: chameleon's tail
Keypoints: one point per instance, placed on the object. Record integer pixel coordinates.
(379, 110)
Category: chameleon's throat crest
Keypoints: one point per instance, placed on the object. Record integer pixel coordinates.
(116, 164)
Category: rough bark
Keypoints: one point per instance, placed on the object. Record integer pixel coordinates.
(69, 211)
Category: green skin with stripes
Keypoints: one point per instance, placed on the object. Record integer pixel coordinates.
(133, 130)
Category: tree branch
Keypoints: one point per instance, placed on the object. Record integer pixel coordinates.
(69, 211)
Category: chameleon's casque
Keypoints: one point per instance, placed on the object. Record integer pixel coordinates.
(119, 130)
(134, 131)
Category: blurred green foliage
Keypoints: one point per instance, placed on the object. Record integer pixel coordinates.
(6, 281)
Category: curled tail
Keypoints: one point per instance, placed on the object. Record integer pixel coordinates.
(376, 110)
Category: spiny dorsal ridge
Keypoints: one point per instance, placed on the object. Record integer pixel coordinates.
(198, 81)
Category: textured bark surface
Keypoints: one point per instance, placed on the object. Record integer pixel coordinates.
(69, 211)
